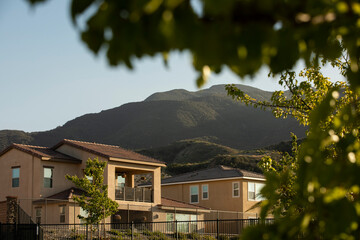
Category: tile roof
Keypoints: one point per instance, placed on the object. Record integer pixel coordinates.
(62, 196)
(107, 151)
(167, 202)
(41, 152)
(218, 172)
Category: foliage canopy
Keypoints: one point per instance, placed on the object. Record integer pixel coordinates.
(241, 35)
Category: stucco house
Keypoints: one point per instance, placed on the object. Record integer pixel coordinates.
(35, 176)
(218, 188)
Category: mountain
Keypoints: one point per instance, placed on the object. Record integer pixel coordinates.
(164, 118)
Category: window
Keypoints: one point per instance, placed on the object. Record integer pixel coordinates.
(193, 223)
(236, 189)
(194, 194)
(186, 222)
(120, 181)
(62, 213)
(205, 191)
(83, 214)
(183, 224)
(254, 191)
(38, 215)
(15, 177)
(170, 226)
(90, 178)
(48, 177)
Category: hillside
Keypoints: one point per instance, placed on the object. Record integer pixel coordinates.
(164, 118)
(191, 155)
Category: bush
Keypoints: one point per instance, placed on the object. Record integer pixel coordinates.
(238, 237)
(194, 236)
(157, 236)
(223, 237)
(208, 237)
(119, 235)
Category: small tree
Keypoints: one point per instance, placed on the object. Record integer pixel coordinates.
(95, 201)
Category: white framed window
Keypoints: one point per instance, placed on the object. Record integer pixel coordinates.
(38, 215)
(254, 191)
(48, 177)
(83, 214)
(205, 191)
(62, 213)
(194, 194)
(15, 181)
(90, 178)
(235, 189)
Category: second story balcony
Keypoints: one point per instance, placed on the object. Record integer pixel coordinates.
(137, 194)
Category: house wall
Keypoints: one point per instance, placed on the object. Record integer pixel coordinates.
(60, 183)
(26, 162)
(31, 180)
(117, 166)
(3, 211)
(220, 195)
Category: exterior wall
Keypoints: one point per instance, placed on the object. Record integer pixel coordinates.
(28, 183)
(220, 195)
(15, 158)
(3, 210)
(60, 183)
(31, 180)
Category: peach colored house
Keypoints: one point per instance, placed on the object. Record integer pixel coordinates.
(36, 177)
(219, 188)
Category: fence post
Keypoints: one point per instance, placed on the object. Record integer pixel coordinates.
(132, 230)
(176, 230)
(37, 231)
(217, 229)
(87, 229)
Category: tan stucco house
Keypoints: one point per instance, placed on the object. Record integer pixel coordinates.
(218, 188)
(35, 176)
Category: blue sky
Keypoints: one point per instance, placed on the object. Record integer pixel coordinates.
(48, 77)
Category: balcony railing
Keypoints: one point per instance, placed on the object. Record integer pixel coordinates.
(134, 194)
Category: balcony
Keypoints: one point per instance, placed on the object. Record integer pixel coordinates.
(134, 194)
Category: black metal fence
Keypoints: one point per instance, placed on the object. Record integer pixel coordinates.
(197, 230)
(20, 232)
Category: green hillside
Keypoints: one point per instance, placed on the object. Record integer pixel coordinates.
(191, 155)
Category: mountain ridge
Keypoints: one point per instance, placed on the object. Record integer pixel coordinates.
(171, 116)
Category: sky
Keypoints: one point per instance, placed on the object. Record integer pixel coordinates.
(48, 76)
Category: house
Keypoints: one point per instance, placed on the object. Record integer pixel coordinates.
(219, 188)
(35, 177)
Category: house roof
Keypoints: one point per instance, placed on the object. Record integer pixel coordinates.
(107, 151)
(41, 152)
(215, 173)
(62, 196)
(167, 202)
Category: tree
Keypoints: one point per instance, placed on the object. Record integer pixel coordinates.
(95, 201)
(243, 36)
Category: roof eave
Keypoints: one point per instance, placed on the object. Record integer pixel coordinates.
(214, 179)
(198, 210)
(14, 146)
(137, 162)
